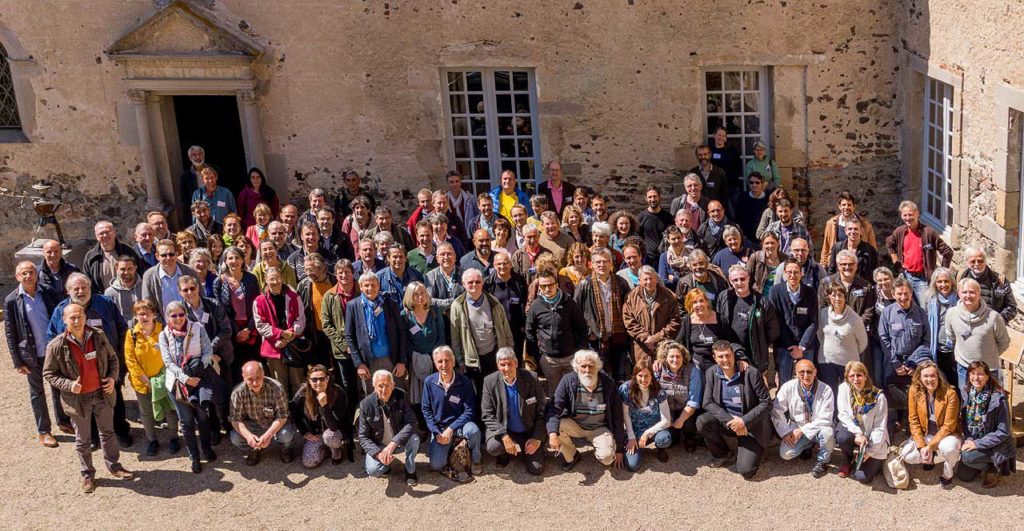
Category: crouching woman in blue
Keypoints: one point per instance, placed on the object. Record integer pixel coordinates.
(683, 385)
(862, 424)
(988, 445)
(646, 412)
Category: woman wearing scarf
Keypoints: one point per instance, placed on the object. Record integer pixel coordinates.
(672, 263)
(186, 353)
(280, 319)
(976, 331)
(322, 415)
(989, 445)
(862, 425)
(683, 385)
(841, 335)
(942, 297)
(236, 290)
(934, 417)
(145, 366)
(424, 320)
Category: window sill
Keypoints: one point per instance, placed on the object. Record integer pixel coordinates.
(13, 136)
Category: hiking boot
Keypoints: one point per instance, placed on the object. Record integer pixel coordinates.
(819, 470)
(287, 456)
(88, 484)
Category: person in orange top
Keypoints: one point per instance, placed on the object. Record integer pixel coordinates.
(934, 416)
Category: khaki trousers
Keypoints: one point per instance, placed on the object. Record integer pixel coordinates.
(602, 439)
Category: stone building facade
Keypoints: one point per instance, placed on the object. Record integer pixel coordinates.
(619, 91)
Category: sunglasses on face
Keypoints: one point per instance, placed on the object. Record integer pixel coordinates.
(176, 315)
(317, 379)
(167, 255)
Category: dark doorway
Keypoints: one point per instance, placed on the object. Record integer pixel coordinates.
(212, 122)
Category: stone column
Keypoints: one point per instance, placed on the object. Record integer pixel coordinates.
(253, 136)
(154, 199)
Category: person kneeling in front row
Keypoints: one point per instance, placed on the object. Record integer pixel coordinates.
(387, 425)
(259, 416)
(863, 412)
(802, 415)
(512, 409)
(587, 405)
(934, 418)
(449, 404)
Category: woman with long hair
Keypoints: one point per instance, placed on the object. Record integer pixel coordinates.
(236, 290)
(989, 446)
(861, 433)
(941, 297)
(934, 418)
(322, 415)
(254, 193)
(683, 384)
(646, 412)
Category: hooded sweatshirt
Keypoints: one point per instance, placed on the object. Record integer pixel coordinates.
(978, 336)
(842, 336)
(124, 298)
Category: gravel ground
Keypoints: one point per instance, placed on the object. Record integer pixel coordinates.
(40, 489)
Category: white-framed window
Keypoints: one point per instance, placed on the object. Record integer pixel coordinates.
(1015, 163)
(737, 98)
(9, 118)
(491, 122)
(937, 154)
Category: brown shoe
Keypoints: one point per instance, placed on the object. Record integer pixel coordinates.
(88, 485)
(991, 479)
(66, 429)
(121, 473)
(48, 441)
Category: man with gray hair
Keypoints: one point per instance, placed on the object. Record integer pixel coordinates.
(190, 179)
(860, 295)
(977, 332)
(916, 250)
(587, 405)
(144, 247)
(995, 290)
(317, 200)
(205, 226)
(100, 263)
(692, 200)
(650, 314)
(479, 327)
(527, 253)
(387, 425)
(449, 409)
(512, 410)
(374, 333)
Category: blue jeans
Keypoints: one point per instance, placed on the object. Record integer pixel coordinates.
(376, 469)
(192, 418)
(439, 452)
(662, 439)
(879, 363)
(825, 438)
(785, 364)
(37, 397)
(920, 287)
(961, 376)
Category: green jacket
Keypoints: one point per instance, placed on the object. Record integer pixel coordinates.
(462, 335)
(332, 317)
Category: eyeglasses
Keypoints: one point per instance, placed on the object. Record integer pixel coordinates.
(188, 289)
(317, 379)
(546, 286)
(756, 183)
(804, 372)
(176, 315)
(167, 255)
(847, 264)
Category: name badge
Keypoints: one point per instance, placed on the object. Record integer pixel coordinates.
(429, 259)
(377, 311)
(801, 311)
(896, 327)
(415, 329)
(742, 316)
(222, 204)
(454, 399)
(532, 270)
(711, 296)
(737, 400)
(531, 400)
(858, 293)
(513, 300)
(205, 318)
(90, 355)
(601, 407)
(928, 247)
(711, 184)
(716, 156)
(268, 410)
(95, 323)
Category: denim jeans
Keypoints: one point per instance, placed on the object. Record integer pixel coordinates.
(920, 287)
(287, 436)
(662, 439)
(785, 363)
(439, 452)
(376, 469)
(825, 438)
(193, 418)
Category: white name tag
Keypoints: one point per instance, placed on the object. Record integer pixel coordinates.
(221, 204)
(531, 400)
(415, 329)
(896, 327)
(858, 293)
(205, 318)
(90, 355)
(513, 300)
(377, 311)
(801, 311)
(601, 407)
(95, 323)
(716, 156)
(711, 184)
(454, 399)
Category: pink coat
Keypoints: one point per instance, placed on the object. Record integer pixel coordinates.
(266, 320)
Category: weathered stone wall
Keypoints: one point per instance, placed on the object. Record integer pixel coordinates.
(358, 85)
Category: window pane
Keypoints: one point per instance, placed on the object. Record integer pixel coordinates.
(732, 125)
(458, 103)
(483, 170)
(751, 124)
(712, 81)
(461, 148)
(520, 81)
(732, 80)
(524, 126)
(751, 102)
(479, 126)
(508, 148)
(460, 127)
(480, 148)
(714, 103)
(501, 81)
(464, 169)
(523, 103)
(474, 81)
(505, 126)
(732, 103)
(751, 81)
(476, 103)
(748, 148)
(504, 103)
(526, 174)
(455, 82)
(713, 122)
(526, 148)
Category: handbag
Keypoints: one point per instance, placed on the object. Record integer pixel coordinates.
(294, 354)
(895, 471)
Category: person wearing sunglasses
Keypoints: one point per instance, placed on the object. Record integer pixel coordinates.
(802, 414)
(320, 412)
(160, 283)
(209, 313)
(186, 352)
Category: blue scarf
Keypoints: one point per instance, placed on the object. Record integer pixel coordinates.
(553, 300)
(368, 308)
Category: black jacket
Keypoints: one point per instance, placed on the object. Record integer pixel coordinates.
(251, 287)
(798, 322)
(867, 260)
(995, 291)
(716, 186)
(218, 328)
(21, 343)
(720, 331)
(371, 421)
(358, 338)
(586, 298)
(335, 416)
(53, 281)
(92, 264)
(512, 297)
(557, 330)
(563, 406)
(568, 191)
(532, 403)
(339, 244)
(757, 405)
(762, 325)
(707, 241)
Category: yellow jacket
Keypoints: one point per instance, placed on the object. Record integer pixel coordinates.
(142, 356)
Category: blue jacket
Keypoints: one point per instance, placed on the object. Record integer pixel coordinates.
(904, 335)
(358, 337)
(451, 409)
(521, 198)
(392, 287)
(101, 308)
(935, 319)
(799, 322)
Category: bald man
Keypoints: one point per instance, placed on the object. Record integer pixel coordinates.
(54, 270)
(259, 416)
(802, 414)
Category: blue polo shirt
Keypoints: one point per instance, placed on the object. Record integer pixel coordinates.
(732, 392)
(515, 420)
(221, 202)
(38, 319)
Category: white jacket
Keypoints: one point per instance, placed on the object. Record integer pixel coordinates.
(174, 357)
(875, 427)
(788, 400)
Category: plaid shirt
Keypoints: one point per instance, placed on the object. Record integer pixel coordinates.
(262, 409)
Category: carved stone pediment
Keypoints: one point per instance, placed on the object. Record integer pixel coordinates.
(184, 31)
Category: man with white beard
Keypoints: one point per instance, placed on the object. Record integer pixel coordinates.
(587, 406)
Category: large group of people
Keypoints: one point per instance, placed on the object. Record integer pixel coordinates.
(521, 326)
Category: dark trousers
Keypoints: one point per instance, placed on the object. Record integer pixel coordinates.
(37, 397)
(748, 450)
(616, 354)
(243, 353)
(345, 375)
(121, 426)
(868, 468)
(192, 418)
(488, 365)
(972, 464)
(534, 463)
(689, 429)
(831, 374)
(947, 365)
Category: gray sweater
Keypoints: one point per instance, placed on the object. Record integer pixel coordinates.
(842, 337)
(978, 336)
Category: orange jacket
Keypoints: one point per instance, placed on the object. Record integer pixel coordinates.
(947, 416)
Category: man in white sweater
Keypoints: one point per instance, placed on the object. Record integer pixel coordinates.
(802, 414)
(978, 332)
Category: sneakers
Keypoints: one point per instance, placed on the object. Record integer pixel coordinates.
(253, 457)
(844, 471)
(287, 456)
(569, 465)
(88, 484)
(48, 441)
(819, 470)
(724, 462)
(152, 448)
(411, 479)
(337, 456)
(121, 473)
(174, 445)
(662, 455)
